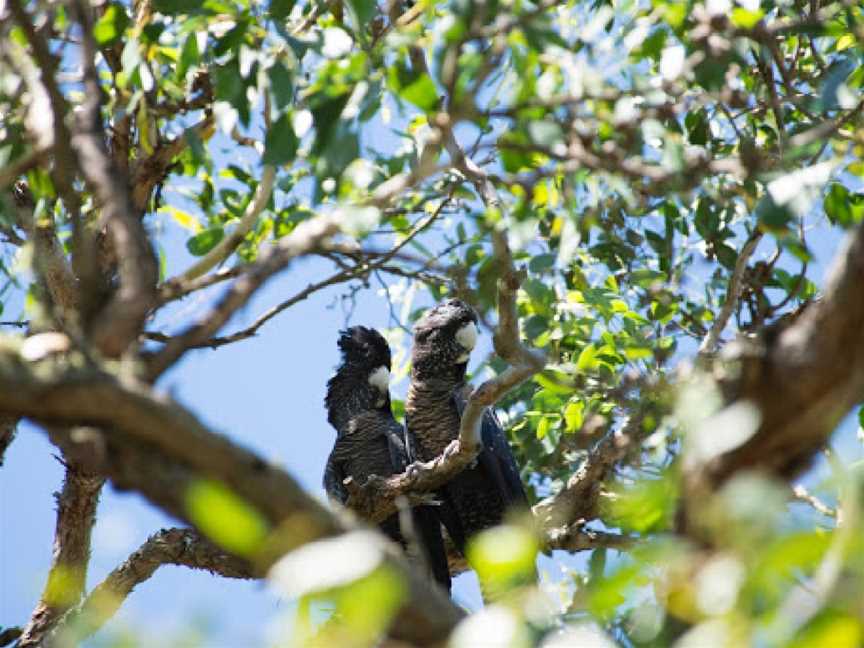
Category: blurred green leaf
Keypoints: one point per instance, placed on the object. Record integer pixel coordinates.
(202, 243)
(111, 25)
(225, 517)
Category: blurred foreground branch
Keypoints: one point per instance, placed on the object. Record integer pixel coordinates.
(183, 547)
(159, 449)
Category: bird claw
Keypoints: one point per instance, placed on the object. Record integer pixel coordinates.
(451, 449)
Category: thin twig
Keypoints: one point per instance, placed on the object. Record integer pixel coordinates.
(803, 495)
(733, 293)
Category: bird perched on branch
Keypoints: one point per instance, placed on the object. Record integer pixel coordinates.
(478, 497)
(369, 442)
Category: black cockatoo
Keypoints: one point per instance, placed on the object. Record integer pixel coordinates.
(478, 497)
(369, 441)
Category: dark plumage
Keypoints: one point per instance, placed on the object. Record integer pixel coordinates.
(369, 441)
(477, 498)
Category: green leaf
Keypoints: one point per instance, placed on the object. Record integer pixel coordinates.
(111, 25)
(745, 18)
(280, 9)
(281, 85)
(280, 145)
(325, 116)
(503, 557)
(574, 415)
(652, 47)
(189, 56)
(202, 243)
(362, 12)
(541, 263)
(413, 86)
(843, 207)
(587, 358)
(175, 7)
(225, 517)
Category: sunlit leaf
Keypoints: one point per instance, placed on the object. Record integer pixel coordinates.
(225, 517)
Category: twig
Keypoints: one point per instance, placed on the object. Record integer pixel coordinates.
(800, 606)
(8, 635)
(733, 293)
(229, 244)
(168, 291)
(269, 314)
(803, 495)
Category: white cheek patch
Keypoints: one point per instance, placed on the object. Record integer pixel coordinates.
(467, 336)
(380, 379)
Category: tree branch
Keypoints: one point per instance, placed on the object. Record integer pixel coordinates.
(733, 293)
(802, 380)
(159, 449)
(120, 321)
(229, 244)
(76, 514)
(306, 237)
(8, 427)
(182, 547)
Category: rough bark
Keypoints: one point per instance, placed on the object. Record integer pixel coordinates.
(76, 514)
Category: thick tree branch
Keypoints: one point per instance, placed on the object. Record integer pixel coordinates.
(50, 259)
(802, 380)
(183, 547)
(64, 170)
(555, 515)
(121, 320)
(76, 514)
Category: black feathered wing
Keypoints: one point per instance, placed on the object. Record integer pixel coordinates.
(496, 457)
(334, 478)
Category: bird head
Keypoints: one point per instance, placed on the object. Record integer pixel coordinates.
(444, 338)
(362, 379)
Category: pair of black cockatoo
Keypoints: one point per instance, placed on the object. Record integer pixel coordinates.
(370, 441)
